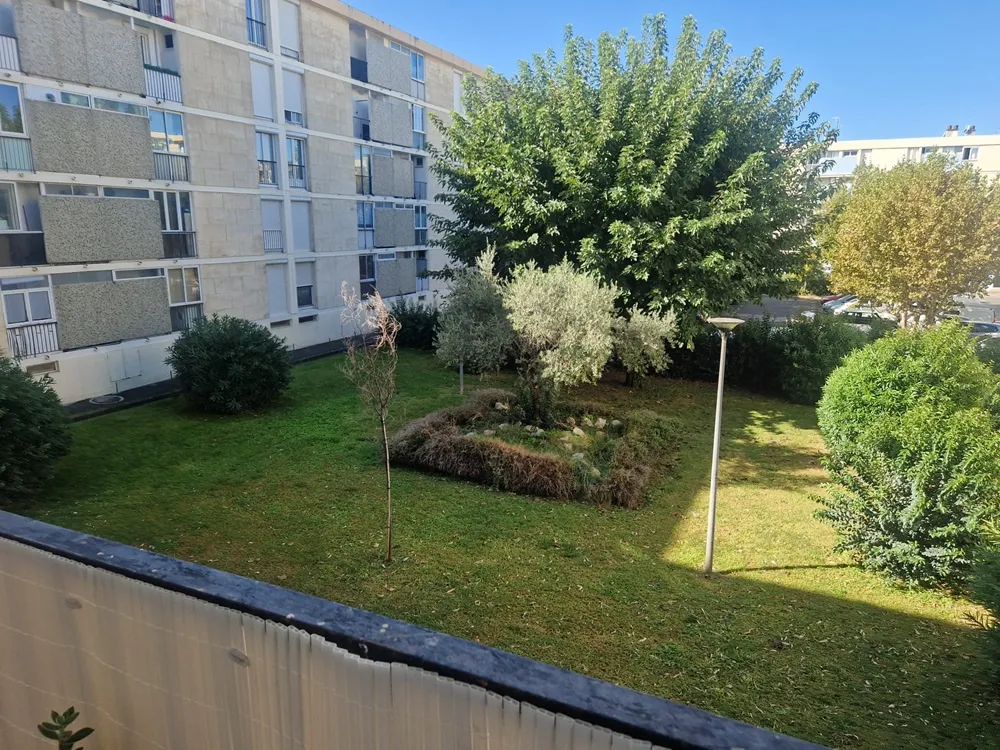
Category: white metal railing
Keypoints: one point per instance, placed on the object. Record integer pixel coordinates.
(162, 83)
(15, 154)
(274, 240)
(172, 167)
(32, 339)
(9, 57)
(161, 8)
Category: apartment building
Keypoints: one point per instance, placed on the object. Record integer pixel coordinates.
(964, 146)
(167, 159)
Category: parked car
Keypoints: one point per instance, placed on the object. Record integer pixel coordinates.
(980, 330)
(863, 317)
(831, 298)
(839, 302)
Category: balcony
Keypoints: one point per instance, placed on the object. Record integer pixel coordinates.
(419, 190)
(296, 175)
(22, 249)
(179, 245)
(158, 8)
(9, 58)
(159, 652)
(274, 241)
(163, 84)
(256, 32)
(32, 339)
(359, 70)
(267, 173)
(171, 167)
(15, 154)
(362, 128)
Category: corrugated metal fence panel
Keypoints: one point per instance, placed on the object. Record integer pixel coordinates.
(150, 669)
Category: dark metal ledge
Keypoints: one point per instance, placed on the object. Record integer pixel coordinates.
(635, 714)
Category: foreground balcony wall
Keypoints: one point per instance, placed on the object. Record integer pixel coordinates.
(150, 666)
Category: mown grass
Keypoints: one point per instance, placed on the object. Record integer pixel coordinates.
(786, 635)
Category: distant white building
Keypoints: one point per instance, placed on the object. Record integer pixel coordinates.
(964, 145)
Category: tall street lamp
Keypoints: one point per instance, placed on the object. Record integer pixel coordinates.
(725, 325)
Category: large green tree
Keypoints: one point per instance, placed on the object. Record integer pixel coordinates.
(914, 236)
(690, 182)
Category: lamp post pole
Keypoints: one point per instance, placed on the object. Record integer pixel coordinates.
(725, 325)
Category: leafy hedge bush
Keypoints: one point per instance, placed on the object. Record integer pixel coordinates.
(418, 323)
(984, 588)
(791, 361)
(228, 365)
(913, 453)
(988, 350)
(34, 433)
(438, 442)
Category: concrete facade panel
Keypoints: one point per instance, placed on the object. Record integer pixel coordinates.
(89, 230)
(89, 141)
(335, 225)
(331, 166)
(105, 312)
(215, 77)
(391, 120)
(60, 44)
(325, 39)
(396, 277)
(225, 18)
(227, 225)
(393, 227)
(222, 153)
(388, 67)
(402, 171)
(238, 289)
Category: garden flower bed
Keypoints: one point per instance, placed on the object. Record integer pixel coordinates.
(587, 455)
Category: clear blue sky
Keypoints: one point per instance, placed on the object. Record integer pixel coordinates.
(886, 68)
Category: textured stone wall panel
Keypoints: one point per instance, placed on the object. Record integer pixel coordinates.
(383, 180)
(225, 18)
(87, 230)
(388, 67)
(89, 141)
(391, 120)
(385, 232)
(397, 277)
(105, 312)
(402, 123)
(214, 76)
(59, 44)
(402, 170)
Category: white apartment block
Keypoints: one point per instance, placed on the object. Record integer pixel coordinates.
(964, 146)
(166, 159)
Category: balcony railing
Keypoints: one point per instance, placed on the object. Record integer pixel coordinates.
(359, 69)
(32, 339)
(276, 663)
(163, 83)
(294, 118)
(362, 128)
(297, 175)
(419, 236)
(9, 58)
(257, 32)
(267, 173)
(179, 245)
(274, 240)
(172, 167)
(15, 154)
(182, 316)
(159, 8)
(419, 190)
(22, 249)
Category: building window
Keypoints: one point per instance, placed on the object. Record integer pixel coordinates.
(366, 275)
(417, 88)
(292, 92)
(11, 120)
(256, 23)
(288, 14)
(419, 135)
(366, 225)
(302, 226)
(363, 170)
(114, 192)
(970, 153)
(130, 274)
(126, 108)
(304, 283)
(60, 188)
(266, 163)
(175, 211)
(423, 282)
(849, 153)
(296, 151)
(27, 300)
(8, 207)
(420, 225)
(167, 131)
(184, 294)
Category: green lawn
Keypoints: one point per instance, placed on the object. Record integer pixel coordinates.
(787, 635)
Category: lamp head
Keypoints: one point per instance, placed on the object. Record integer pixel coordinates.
(726, 324)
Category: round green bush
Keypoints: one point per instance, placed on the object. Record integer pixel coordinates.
(228, 365)
(809, 350)
(33, 433)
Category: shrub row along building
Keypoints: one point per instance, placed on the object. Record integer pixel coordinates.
(167, 159)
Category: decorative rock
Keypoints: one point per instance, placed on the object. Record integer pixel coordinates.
(577, 456)
(578, 432)
(539, 432)
(616, 423)
(595, 472)
(601, 423)
(530, 428)
(501, 406)
(503, 426)
(489, 433)
(570, 421)
(587, 422)
(470, 434)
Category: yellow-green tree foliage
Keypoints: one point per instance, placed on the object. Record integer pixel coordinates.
(916, 235)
